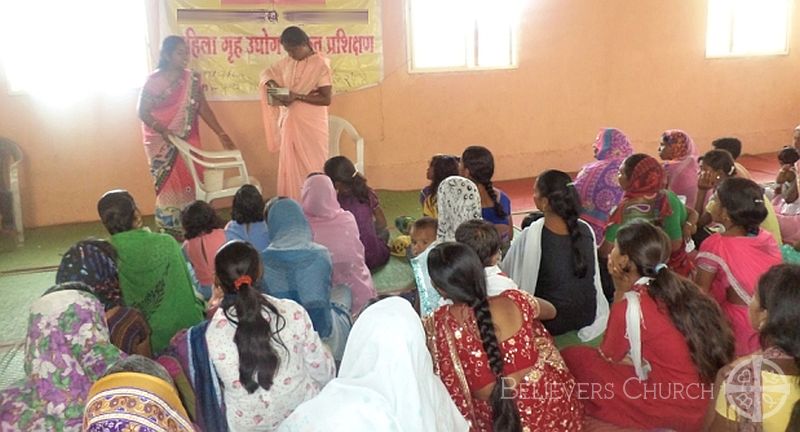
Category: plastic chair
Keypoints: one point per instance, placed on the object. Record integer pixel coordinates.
(6, 145)
(215, 163)
(338, 125)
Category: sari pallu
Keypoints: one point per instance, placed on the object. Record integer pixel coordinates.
(597, 184)
(129, 401)
(175, 105)
(66, 350)
(299, 131)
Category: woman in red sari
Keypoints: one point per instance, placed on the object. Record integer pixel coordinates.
(664, 344)
(496, 359)
(170, 102)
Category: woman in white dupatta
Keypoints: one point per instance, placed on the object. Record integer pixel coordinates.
(555, 194)
(386, 381)
(458, 200)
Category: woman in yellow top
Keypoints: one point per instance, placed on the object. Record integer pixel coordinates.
(760, 392)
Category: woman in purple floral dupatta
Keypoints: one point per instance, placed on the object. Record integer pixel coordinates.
(67, 349)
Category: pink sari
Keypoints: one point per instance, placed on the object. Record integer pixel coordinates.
(738, 262)
(336, 229)
(175, 105)
(299, 131)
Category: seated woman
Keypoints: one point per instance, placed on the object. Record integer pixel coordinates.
(153, 274)
(679, 154)
(760, 391)
(387, 373)
(483, 347)
(336, 229)
(784, 196)
(716, 166)
(477, 164)
(440, 167)
(597, 184)
(458, 201)
(663, 334)
(127, 398)
(730, 263)
(358, 198)
(298, 269)
(67, 349)
(93, 263)
(642, 179)
(268, 358)
(556, 259)
(203, 235)
(247, 218)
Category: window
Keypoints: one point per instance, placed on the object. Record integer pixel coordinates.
(747, 27)
(447, 35)
(62, 50)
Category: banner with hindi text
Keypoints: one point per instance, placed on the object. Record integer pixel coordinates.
(231, 41)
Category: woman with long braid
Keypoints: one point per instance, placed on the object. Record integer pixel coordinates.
(496, 359)
(664, 344)
(556, 259)
(477, 164)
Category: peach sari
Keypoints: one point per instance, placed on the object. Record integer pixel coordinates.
(300, 131)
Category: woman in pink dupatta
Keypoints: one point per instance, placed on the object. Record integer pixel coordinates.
(680, 155)
(336, 229)
(299, 127)
(730, 263)
(169, 104)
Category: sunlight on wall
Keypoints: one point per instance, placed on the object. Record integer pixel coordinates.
(62, 51)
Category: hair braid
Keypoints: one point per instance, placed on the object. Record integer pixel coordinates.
(506, 415)
(498, 207)
(566, 204)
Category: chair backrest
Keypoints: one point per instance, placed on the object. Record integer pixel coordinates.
(215, 163)
(337, 126)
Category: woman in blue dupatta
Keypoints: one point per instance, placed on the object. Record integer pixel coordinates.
(298, 269)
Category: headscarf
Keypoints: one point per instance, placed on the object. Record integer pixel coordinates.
(683, 169)
(88, 262)
(646, 181)
(66, 350)
(336, 229)
(386, 381)
(458, 201)
(597, 184)
(134, 401)
(611, 144)
(295, 267)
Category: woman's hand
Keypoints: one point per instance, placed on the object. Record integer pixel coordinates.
(707, 180)
(226, 141)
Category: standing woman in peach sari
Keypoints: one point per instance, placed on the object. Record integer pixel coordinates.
(297, 125)
(170, 103)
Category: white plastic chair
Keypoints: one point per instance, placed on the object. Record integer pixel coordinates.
(338, 125)
(16, 202)
(215, 163)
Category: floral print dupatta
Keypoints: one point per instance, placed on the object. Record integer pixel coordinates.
(67, 349)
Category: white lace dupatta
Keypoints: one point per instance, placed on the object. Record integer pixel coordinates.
(633, 330)
(522, 261)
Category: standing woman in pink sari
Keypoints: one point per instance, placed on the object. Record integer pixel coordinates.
(298, 126)
(170, 102)
(680, 155)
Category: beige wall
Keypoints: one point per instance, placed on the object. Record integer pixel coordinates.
(636, 65)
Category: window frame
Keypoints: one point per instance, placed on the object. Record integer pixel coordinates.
(471, 45)
(740, 55)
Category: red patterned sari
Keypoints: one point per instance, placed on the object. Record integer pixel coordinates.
(175, 105)
(546, 396)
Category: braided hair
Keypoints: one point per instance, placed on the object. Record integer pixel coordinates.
(456, 270)
(480, 163)
(557, 187)
(238, 267)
